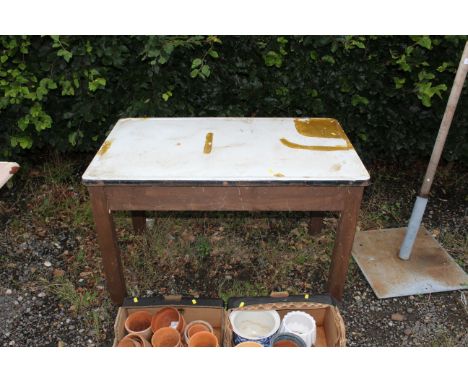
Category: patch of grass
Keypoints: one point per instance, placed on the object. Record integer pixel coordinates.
(301, 259)
(46, 207)
(196, 255)
(457, 243)
(202, 247)
(81, 257)
(58, 171)
(241, 288)
(66, 292)
(98, 319)
(82, 214)
(443, 338)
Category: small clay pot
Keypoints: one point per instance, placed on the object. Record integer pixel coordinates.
(285, 344)
(287, 340)
(128, 343)
(165, 317)
(196, 326)
(249, 344)
(203, 339)
(166, 337)
(133, 340)
(139, 323)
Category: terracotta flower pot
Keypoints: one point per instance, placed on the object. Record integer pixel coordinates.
(165, 317)
(203, 339)
(249, 344)
(196, 326)
(139, 323)
(134, 340)
(128, 343)
(166, 337)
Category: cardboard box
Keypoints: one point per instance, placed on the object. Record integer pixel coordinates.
(330, 325)
(207, 309)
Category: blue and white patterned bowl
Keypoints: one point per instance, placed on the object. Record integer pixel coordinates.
(256, 326)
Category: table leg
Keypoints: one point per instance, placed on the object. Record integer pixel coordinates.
(139, 221)
(344, 241)
(315, 222)
(108, 244)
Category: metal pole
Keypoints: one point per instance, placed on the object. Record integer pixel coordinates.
(421, 200)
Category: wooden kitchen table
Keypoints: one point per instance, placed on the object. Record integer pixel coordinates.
(225, 164)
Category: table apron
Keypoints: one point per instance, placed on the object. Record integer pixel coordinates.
(227, 198)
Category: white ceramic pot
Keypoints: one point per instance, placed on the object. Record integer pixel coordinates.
(256, 326)
(301, 324)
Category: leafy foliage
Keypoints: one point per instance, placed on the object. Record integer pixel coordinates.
(65, 93)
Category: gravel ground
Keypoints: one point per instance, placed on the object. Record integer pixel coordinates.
(52, 290)
(30, 313)
(424, 320)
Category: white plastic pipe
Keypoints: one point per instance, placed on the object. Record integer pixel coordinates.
(413, 227)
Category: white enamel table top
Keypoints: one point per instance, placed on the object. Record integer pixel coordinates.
(145, 150)
(7, 170)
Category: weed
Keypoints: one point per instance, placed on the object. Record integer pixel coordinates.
(66, 292)
(443, 338)
(82, 215)
(80, 256)
(58, 171)
(202, 247)
(241, 288)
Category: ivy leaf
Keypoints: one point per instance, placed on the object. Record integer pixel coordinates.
(72, 138)
(313, 93)
(273, 59)
(442, 67)
(399, 82)
(66, 54)
(358, 100)
(329, 59)
(196, 63)
(96, 84)
(403, 64)
(423, 75)
(205, 70)
(48, 83)
(282, 40)
(359, 44)
(165, 96)
(67, 88)
(194, 73)
(213, 53)
(25, 142)
(425, 42)
(426, 91)
(23, 123)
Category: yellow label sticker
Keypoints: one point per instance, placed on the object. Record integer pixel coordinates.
(194, 302)
(306, 296)
(135, 299)
(241, 305)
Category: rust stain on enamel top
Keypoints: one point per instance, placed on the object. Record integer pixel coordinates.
(208, 143)
(104, 148)
(14, 169)
(319, 128)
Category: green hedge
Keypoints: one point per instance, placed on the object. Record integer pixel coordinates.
(389, 93)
